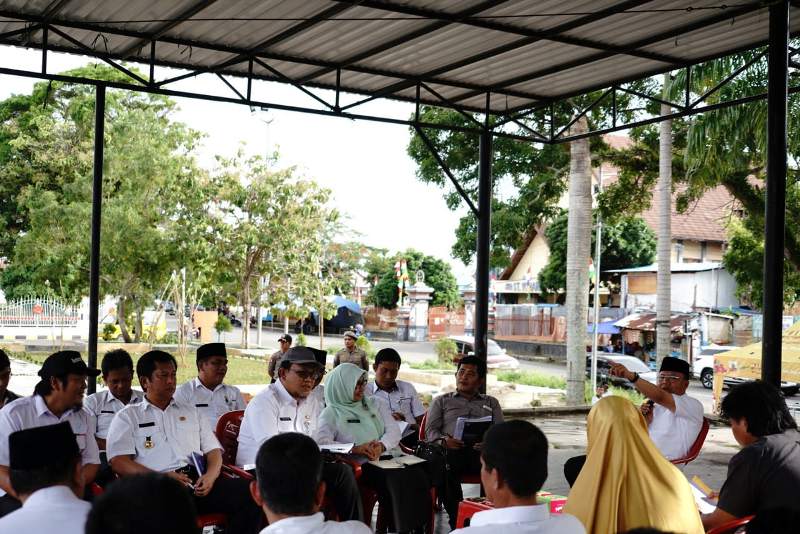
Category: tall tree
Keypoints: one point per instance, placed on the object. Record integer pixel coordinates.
(629, 242)
(265, 222)
(578, 254)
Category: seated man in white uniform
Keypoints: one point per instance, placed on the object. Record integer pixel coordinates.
(208, 393)
(45, 471)
(674, 418)
(289, 405)
(117, 370)
(160, 434)
(290, 489)
(57, 397)
(513, 469)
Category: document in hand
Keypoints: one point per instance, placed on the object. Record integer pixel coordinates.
(705, 504)
(337, 448)
(471, 431)
(199, 463)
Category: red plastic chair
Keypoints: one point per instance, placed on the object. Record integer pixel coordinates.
(698, 444)
(730, 528)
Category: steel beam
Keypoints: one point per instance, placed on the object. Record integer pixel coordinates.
(483, 244)
(775, 197)
(97, 202)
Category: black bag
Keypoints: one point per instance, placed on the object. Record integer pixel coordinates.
(435, 455)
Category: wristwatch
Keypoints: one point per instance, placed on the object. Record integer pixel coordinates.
(635, 378)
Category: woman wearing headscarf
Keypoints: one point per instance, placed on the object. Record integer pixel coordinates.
(352, 417)
(626, 482)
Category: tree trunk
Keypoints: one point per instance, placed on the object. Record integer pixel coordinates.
(664, 290)
(246, 301)
(579, 246)
(123, 328)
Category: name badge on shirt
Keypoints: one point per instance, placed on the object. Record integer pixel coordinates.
(143, 425)
(201, 405)
(354, 420)
(487, 408)
(286, 418)
(106, 411)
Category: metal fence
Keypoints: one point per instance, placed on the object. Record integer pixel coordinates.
(522, 320)
(38, 311)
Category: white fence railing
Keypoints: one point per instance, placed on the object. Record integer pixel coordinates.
(38, 311)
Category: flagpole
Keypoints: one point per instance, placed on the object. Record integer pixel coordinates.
(596, 283)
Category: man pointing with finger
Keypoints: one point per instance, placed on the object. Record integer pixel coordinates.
(674, 418)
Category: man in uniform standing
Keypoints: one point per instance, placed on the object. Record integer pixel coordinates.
(208, 392)
(275, 360)
(350, 353)
(289, 406)
(117, 369)
(56, 398)
(160, 434)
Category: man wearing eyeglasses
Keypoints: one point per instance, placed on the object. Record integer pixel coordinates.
(674, 417)
(289, 406)
(208, 393)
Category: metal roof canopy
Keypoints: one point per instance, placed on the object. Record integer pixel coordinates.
(504, 57)
(496, 57)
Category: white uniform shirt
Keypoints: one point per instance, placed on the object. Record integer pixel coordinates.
(326, 434)
(32, 412)
(49, 510)
(174, 433)
(675, 433)
(213, 404)
(403, 399)
(523, 520)
(271, 412)
(103, 405)
(315, 523)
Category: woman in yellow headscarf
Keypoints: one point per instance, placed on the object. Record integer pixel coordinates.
(626, 482)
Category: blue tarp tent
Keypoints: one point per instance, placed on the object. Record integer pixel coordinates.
(603, 328)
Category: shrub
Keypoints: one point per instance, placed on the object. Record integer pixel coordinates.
(445, 350)
(301, 340)
(108, 332)
(170, 338)
(223, 324)
(530, 378)
(433, 365)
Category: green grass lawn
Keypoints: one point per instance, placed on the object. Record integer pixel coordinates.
(240, 370)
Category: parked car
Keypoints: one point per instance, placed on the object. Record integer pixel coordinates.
(703, 368)
(632, 363)
(496, 357)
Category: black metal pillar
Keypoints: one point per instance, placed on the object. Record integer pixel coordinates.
(97, 197)
(775, 205)
(484, 243)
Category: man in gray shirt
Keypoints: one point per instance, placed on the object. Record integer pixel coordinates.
(462, 458)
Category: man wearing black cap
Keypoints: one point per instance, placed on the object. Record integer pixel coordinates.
(57, 397)
(350, 353)
(275, 360)
(45, 470)
(160, 434)
(289, 406)
(674, 418)
(6, 395)
(207, 392)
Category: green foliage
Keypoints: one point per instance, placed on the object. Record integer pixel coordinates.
(445, 350)
(531, 378)
(433, 365)
(301, 340)
(223, 324)
(333, 350)
(170, 338)
(363, 343)
(627, 243)
(631, 394)
(437, 275)
(108, 332)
